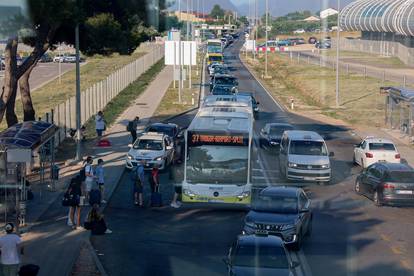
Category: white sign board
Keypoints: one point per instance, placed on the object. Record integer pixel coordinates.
(19, 155)
(250, 45)
(188, 53)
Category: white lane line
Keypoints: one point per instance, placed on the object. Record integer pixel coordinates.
(258, 81)
(272, 171)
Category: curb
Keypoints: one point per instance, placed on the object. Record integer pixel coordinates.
(95, 257)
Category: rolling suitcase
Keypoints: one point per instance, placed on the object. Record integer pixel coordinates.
(156, 198)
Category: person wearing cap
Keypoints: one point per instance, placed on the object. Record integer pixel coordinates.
(10, 244)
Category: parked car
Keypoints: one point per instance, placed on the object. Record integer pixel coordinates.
(45, 58)
(271, 135)
(259, 255)
(153, 148)
(297, 40)
(70, 58)
(372, 150)
(284, 43)
(283, 212)
(59, 58)
(387, 183)
(324, 44)
(299, 31)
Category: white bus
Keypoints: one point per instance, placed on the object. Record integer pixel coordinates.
(217, 167)
(228, 101)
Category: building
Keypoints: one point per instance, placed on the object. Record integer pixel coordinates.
(328, 12)
(312, 19)
(191, 16)
(385, 20)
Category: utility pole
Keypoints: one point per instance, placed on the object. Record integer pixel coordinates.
(78, 97)
(179, 55)
(337, 54)
(267, 30)
(255, 29)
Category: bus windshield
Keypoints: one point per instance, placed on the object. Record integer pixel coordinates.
(211, 164)
(215, 58)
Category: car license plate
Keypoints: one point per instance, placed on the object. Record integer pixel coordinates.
(261, 232)
(404, 192)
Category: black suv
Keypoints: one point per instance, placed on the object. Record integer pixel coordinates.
(225, 80)
(283, 212)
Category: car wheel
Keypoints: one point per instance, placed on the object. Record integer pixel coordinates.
(376, 199)
(357, 187)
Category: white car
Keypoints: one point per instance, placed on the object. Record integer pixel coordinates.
(153, 148)
(59, 58)
(299, 31)
(372, 150)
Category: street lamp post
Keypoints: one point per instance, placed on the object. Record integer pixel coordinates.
(267, 30)
(78, 97)
(337, 54)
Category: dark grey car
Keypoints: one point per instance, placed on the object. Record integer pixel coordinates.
(271, 134)
(283, 212)
(387, 183)
(259, 255)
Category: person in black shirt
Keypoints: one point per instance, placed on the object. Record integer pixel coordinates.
(75, 190)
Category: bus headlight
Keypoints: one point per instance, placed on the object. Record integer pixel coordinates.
(292, 165)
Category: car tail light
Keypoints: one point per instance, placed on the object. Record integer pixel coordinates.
(397, 156)
(388, 186)
(369, 155)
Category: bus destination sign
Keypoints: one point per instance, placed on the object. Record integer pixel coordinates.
(217, 139)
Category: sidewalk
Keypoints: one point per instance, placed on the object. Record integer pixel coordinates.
(50, 243)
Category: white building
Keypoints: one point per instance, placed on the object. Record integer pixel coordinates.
(328, 12)
(312, 19)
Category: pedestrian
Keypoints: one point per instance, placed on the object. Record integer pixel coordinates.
(89, 177)
(177, 192)
(138, 179)
(100, 175)
(100, 124)
(132, 128)
(10, 246)
(75, 190)
(96, 222)
(155, 178)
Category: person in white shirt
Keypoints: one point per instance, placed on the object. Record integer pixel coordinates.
(9, 246)
(90, 177)
(100, 124)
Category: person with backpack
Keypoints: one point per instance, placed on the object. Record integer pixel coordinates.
(74, 192)
(132, 128)
(137, 176)
(96, 222)
(10, 245)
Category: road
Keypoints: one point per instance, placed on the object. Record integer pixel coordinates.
(44, 72)
(350, 235)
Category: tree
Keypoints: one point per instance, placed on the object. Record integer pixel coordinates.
(106, 26)
(217, 12)
(243, 19)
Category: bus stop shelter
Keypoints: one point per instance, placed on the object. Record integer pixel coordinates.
(19, 145)
(399, 109)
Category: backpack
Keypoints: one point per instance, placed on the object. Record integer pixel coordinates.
(130, 126)
(82, 174)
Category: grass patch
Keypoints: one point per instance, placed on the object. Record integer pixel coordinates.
(313, 88)
(124, 99)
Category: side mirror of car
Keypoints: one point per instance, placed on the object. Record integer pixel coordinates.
(331, 154)
(294, 264)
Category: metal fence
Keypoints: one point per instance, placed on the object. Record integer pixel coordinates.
(97, 96)
(345, 67)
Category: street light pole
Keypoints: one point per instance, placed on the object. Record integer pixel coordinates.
(267, 29)
(337, 54)
(78, 97)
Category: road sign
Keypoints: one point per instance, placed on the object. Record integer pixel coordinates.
(188, 53)
(246, 35)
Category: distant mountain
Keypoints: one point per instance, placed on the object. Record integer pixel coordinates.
(203, 5)
(282, 7)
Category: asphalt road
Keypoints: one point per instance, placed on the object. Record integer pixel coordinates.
(350, 235)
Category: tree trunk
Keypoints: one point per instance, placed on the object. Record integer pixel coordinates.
(28, 110)
(11, 117)
(10, 80)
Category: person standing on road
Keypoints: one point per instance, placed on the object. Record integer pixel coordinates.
(10, 247)
(177, 192)
(100, 124)
(155, 178)
(100, 175)
(139, 183)
(132, 128)
(75, 189)
(90, 177)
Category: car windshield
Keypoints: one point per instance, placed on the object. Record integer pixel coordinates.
(277, 204)
(225, 81)
(147, 144)
(382, 146)
(167, 130)
(221, 91)
(401, 177)
(217, 164)
(278, 130)
(308, 148)
(260, 257)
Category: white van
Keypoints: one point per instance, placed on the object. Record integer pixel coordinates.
(304, 156)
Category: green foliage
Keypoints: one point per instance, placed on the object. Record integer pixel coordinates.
(243, 19)
(217, 12)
